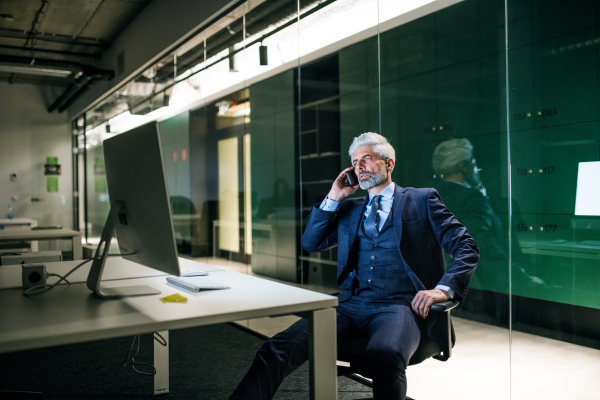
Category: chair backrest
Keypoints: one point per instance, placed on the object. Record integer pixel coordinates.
(182, 205)
(437, 341)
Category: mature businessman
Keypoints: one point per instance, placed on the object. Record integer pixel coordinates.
(390, 271)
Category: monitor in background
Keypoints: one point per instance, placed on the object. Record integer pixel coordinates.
(588, 189)
(140, 213)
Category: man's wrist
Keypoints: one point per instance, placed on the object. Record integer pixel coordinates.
(446, 290)
(329, 205)
(333, 198)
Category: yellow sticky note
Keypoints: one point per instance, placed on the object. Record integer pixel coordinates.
(174, 298)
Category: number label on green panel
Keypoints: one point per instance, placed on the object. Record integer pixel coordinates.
(523, 227)
(519, 116)
(548, 228)
(548, 112)
(546, 170)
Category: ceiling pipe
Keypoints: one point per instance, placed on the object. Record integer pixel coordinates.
(84, 76)
(78, 87)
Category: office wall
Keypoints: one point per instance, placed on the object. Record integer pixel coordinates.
(29, 134)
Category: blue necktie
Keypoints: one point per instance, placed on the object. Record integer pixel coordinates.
(372, 221)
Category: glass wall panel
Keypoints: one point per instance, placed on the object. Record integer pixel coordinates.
(98, 204)
(443, 107)
(174, 135)
(553, 128)
(273, 178)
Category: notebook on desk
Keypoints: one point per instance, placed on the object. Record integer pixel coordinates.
(195, 283)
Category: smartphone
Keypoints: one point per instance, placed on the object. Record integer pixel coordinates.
(351, 178)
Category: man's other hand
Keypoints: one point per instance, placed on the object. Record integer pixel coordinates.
(424, 299)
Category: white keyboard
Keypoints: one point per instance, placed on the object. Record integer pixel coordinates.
(195, 283)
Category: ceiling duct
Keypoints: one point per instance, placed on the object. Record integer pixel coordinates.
(149, 105)
(79, 86)
(83, 75)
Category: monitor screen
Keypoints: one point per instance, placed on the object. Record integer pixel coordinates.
(588, 189)
(140, 213)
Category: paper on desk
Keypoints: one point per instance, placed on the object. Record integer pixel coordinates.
(174, 298)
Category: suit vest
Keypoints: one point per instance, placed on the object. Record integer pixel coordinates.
(380, 272)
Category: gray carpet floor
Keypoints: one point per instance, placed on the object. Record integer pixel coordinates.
(200, 368)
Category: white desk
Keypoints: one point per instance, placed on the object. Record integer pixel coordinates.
(6, 223)
(28, 234)
(17, 222)
(72, 314)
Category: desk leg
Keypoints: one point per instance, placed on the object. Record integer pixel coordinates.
(77, 248)
(161, 363)
(322, 354)
(53, 244)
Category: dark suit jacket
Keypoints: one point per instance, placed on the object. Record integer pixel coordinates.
(423, 226)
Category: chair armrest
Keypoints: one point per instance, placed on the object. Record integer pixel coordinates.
(444, 306)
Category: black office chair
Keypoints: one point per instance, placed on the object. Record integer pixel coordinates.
(437, 343)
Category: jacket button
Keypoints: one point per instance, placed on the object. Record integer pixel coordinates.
(374, 244)
(371, 269)
(369, 281)
(372, 257)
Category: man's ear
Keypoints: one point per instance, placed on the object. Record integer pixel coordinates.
(390, 164)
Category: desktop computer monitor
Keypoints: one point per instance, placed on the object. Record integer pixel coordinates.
(587, 197)
(140, 213)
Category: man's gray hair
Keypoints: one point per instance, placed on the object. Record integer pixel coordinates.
(449, 153)
(378, 143)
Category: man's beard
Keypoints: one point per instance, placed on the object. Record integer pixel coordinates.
(374, 179)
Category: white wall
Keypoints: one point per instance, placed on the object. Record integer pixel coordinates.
(29, 134)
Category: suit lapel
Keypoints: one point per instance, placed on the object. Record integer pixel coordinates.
(398, 207)
(347, 235)
(401, 195)
(355, 222)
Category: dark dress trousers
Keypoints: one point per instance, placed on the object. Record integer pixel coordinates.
(378, 279)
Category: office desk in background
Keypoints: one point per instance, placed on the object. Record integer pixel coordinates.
(72, 314)
(17, 223)
(20, 223)
(53, 235)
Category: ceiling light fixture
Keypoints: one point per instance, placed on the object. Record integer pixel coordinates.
(34, 70)
(263, 54)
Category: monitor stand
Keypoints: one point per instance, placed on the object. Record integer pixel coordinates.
(117, 211)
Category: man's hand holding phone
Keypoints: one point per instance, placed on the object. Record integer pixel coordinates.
(344, 185)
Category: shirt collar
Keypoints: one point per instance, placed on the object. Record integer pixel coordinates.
(386, 193)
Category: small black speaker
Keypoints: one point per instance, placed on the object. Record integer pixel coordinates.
(33, 275)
